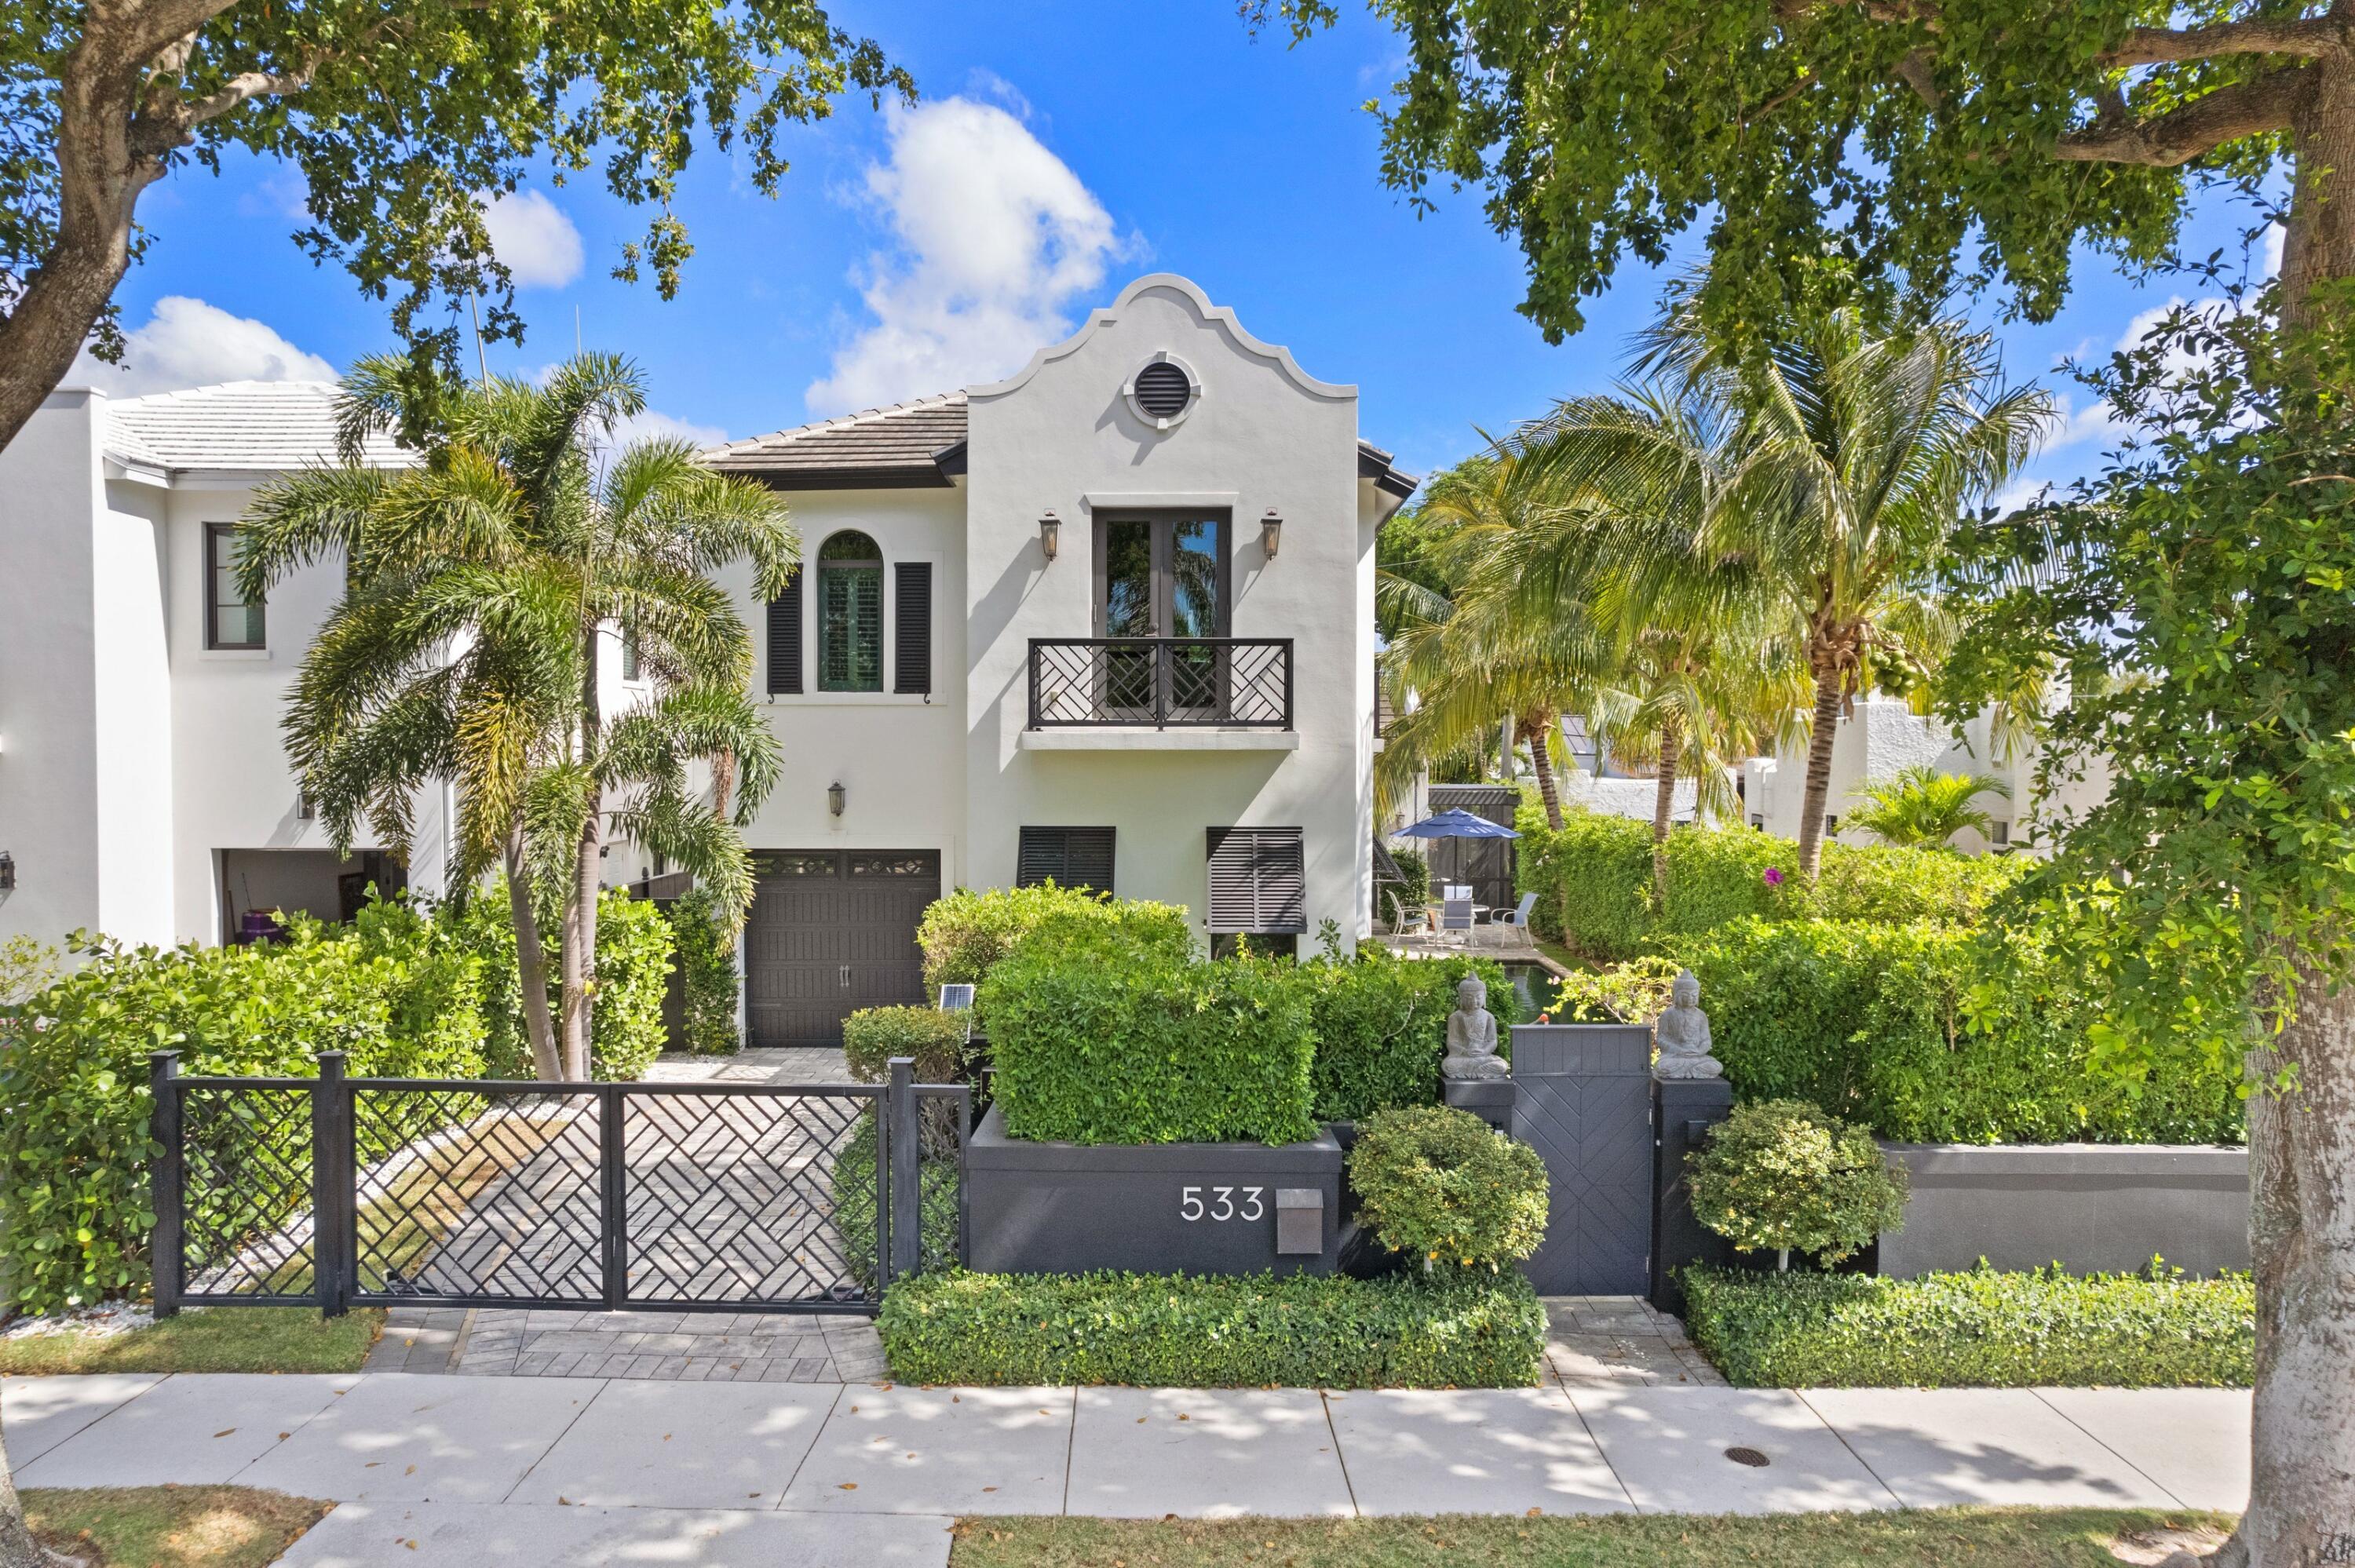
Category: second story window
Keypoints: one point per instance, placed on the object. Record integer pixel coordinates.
(850, 614)
(232, 620)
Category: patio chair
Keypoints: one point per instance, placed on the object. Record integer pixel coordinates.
(1517, 917)
(1455, 915)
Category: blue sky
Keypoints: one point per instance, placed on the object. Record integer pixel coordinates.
(1051, 158)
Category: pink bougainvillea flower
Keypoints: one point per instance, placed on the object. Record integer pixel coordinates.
(1773, 876)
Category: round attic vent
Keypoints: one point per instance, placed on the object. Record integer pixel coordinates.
(1163, 392)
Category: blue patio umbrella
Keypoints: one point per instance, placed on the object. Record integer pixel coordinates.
(1456, 824)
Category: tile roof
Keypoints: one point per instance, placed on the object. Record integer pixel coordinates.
(236, 427)
(919, 443)
(899, 445)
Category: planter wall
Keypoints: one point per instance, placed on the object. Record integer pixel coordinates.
(1204, 1208)
(2089, 1207)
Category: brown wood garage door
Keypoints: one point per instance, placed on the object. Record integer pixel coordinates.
(833, 931)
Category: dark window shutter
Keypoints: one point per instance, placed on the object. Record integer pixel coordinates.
(1069, 857)
(1259, 880)
(912, 604)
(785, 639)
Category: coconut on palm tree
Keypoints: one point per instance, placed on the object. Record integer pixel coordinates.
(482, 586)
(1921, 806)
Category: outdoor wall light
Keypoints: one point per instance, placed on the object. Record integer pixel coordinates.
(7, 872)
(1049, 527)
(834, 797)
(1271, 533)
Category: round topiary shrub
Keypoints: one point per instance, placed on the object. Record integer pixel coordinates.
(1438, 1182)
(1784, 1174)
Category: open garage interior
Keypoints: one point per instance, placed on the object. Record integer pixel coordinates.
(256, 884)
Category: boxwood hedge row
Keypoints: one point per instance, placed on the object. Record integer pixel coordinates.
(1975, 1329)
(1299, 1331)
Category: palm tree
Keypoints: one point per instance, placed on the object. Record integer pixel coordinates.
(1846, 462)
(1921, 806)
(481, 585)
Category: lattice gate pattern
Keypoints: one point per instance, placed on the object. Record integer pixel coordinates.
(735, 1196)
(337, 1190)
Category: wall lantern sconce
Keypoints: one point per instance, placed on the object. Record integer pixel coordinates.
(834, 797)
(7, 872)
(1271, 533)
(1050, 529)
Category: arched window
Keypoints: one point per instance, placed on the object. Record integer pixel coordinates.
(850, 614)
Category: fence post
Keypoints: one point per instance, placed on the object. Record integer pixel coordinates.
(614, 1193)
(167, 1179)
(334, 1200)
(906, 1185)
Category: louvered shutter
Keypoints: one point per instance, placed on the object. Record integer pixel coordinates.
(785, 639)
(912, 607)
(1069, 857)
(1259, 881)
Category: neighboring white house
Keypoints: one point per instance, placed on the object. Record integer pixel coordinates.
(1110, 620)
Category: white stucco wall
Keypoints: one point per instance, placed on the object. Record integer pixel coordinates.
(1263, 435)
(133, 696)
(898, 757)
(49, 494)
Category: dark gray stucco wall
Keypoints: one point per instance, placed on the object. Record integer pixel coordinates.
(2089, 1207)
(1205, 1208)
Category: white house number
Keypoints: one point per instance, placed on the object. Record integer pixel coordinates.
(1221, 1205)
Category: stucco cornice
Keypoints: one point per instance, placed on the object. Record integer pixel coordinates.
(1216, 315)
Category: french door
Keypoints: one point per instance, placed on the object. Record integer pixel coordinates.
(1162, 576)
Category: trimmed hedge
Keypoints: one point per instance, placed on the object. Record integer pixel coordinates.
(966, 934)
(1301, 1330)
(1381, 1026)
(873, 1035)
(1593, 881)
(393, 989)
(852, 1181)
(1123, 1045)
(1975, 1329)
(1938, 1034)
(1446, 1188)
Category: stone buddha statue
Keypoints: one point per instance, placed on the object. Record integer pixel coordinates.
(1472, 1034)
(1681, 1033)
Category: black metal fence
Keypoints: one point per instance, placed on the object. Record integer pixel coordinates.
(337, 1191)
(1167, 681)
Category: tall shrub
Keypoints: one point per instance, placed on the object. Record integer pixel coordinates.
(703, 945)
(1381, 1026)
(633, 959)
(1141, 1047)
(964, 934)
(1938, 1034)
(393, 992)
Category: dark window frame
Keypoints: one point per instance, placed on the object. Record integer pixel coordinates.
(1164, 566)
(214, 534)
(826, 567)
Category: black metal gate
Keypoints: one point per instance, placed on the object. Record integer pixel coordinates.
(1583, 1098)
(687, 1197)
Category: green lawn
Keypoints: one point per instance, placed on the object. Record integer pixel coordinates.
(1999, 1537)
(209, 1339)
(171, 1527)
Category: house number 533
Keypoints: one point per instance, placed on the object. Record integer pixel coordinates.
(1221, 1205)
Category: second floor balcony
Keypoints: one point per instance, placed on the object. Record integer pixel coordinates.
(1176, 693)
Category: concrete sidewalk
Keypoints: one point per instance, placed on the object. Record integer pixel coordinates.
(570, 1471)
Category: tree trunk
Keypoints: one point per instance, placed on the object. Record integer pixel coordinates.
(1542, 730)
(531, 963)
(581, 919)
(2302, 1247)
(1820, 735)
(99, 175)
(17, 1547)
(1664, 805)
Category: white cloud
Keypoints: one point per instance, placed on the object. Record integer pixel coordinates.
(997, 239)
(187, 343)
(533, 236)
(656, 425)
(2274, 235)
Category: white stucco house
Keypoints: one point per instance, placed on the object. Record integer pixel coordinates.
(1108, 620)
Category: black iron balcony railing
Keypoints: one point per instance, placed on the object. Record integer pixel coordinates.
(1164, 682)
